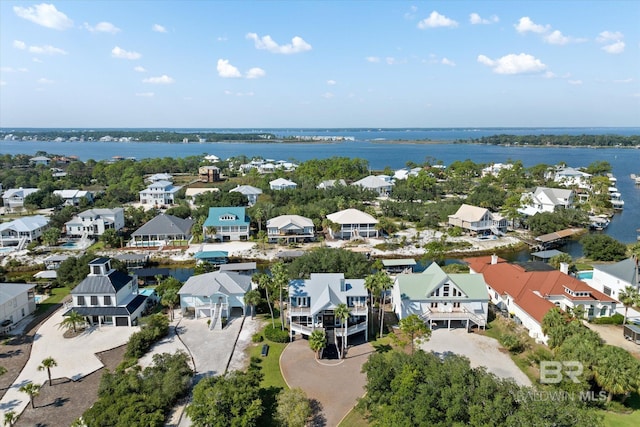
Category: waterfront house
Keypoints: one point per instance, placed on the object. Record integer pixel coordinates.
(23, 230)
(405, 173)
(477, 220)
(570, 177)
(159, 193)
(163, 230)
(74, 197)
(380, 184)
(13, 198)
(312, 303)
(282, 184)
(215, 295)
(251, 193)
(494, 169)
(397, 265)
(17, 301)
(527, 291)
(442, 299)
(544, 199)
(211, 158)
(227, 224)
(40, 161)
(290, 228)
(108, 297)
(610, 279)
(94, 222)
(246, 268)
(353, 224)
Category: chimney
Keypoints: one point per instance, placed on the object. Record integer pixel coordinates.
(564, 268)
(494, 259)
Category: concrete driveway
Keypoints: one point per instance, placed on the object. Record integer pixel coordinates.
(479, 349)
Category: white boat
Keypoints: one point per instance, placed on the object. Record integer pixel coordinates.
(598, 222)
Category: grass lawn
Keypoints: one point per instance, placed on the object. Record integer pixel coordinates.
(611, 419)
(56, 297)
(270, 364)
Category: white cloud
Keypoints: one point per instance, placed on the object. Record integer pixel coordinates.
(139, 69)
(549, 75)
(513, 64)
(13, 70)
(255, 73)
(118, 52)
(475, 19)
(44, 81)
(575, 82)
(629, 80)
(607, 36)
(525, 24)
(145, 94)
(102, 27)
(556, 37)
(614, 48)
(19, 44)
(327, 95)
(447, 61)
(44, 14)
(46, 50)
(38, 60)
(411, 14)
(161, 80)
(227, 70)
(373, 59)
(158, 28)
(297, 44)
(331, 82)
(436, 20)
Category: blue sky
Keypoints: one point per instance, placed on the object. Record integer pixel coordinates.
(261, 64)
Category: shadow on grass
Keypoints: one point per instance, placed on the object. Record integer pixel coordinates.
(382, 348)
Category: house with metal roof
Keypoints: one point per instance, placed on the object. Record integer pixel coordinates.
(250, 192)
(353, 224)
(477, 220)
(399, 265)
(108, 297)
(290, 228)
(282, 184)
(442, 299)
(378, 184)
(312, 303)
(227, 223)
(23, 230)
(17, 301)
(13, 198)
(215, 295)
(163, 230)
(74, 197)
(545, 199)
(159, 193)
(159, 177)
(94, 222)
(610, 279)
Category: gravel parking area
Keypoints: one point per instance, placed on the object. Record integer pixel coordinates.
(612, 334)
(480, 350)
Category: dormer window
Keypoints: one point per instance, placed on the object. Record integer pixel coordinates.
(228, 217)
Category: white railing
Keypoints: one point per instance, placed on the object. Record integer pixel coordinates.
(306, 330)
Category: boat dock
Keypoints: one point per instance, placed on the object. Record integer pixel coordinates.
(557, 238)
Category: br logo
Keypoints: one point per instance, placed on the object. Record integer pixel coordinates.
(552, 372)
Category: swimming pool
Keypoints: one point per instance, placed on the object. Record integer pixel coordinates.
(147, 292)
(6, 250)
(585, 275)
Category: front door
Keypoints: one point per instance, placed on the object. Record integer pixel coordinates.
(328, 321)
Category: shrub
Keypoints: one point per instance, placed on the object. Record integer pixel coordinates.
(276, 334)
(538, 355)
(512, 343)
(257, 337)
(616, 319)
(155, 327)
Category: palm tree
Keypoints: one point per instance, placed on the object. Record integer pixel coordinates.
(71, 320)
(616, 371)
(281, 280)
(32, 390)
(258, 214)
(10, 418)
(317, 341)
(265, 282)
(169, 299)
(253, 298)
(371, 285)
(47, 364)
(342, 312)
(385, 283)
(629, 297)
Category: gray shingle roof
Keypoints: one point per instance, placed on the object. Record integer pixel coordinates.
(626, 270)
(228, 283)
(165, 225)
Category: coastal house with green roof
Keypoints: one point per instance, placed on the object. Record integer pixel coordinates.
(442, 299)
(227, 224)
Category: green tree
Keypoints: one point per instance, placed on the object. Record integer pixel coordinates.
(342, 312)
(294, 409)
(3, 370)
(616, 371)
(110, 238)
(329, 260)
(10, 418)
(280, 278)
(265, 283)
(602, 247)
(385, 282)
(170, 299)
(555, 261)
(629, 297)
(47, 364)
(317, 341)
(252, 298)
(50, 236)
(32, 390)
(71, 320)
(415, 329)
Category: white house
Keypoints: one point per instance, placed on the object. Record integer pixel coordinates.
(330, 183)
(282, 184)
(215, 295)
(378, 184)
(353, 224)
(292, 228)
(478, 220)
(160, 177)
(13, 198)
(312, 303)
(22, 230)
(94, 222)
(250, 192)
(494, 169)
(17, 301)
(544, 199)
(40, 160)
(570, 177)
(73, 197)
(108, 297)
(162, 230)
(227, 224)
(159, 193)
(610, 279)
(437, 297)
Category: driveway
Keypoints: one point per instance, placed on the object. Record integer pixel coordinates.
(612, 334)
(480, 350)
(335, 385)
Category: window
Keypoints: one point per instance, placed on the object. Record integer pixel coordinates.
(456, 305)
(81, 300)
(302, 301)
(94, 300)
(434, 305)
(603, 311)
(606, 290)
(107, 300)
(445, 291)
(95, 269)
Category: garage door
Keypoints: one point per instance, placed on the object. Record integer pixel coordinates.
(122, 321)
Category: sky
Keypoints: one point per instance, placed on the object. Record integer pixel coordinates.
(328, 64)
